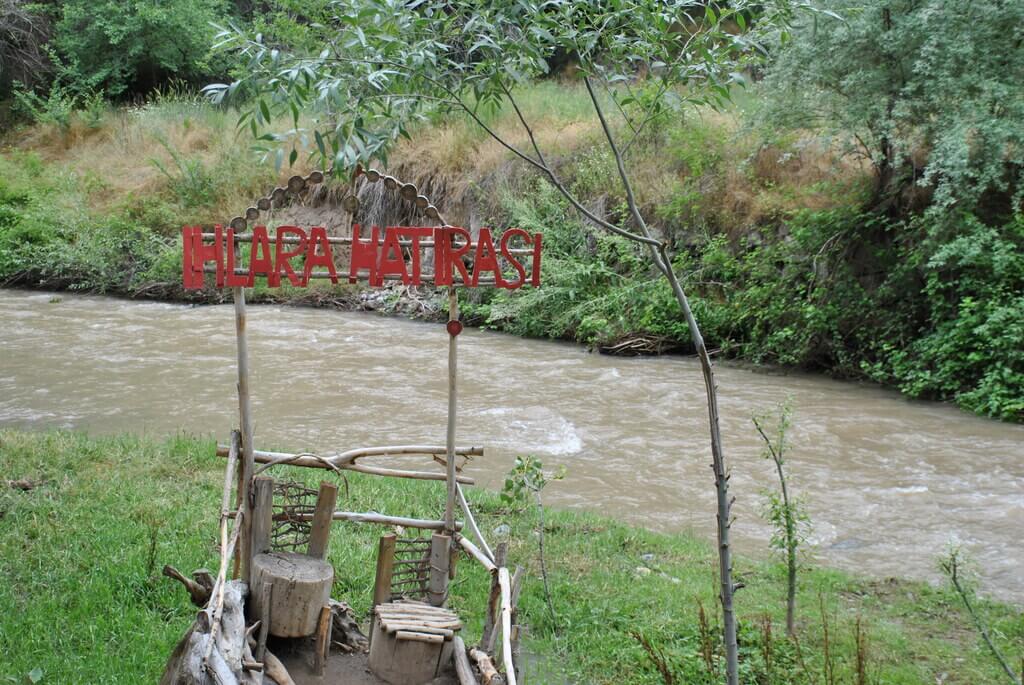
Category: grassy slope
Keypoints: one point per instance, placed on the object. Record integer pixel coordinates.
(83, 602)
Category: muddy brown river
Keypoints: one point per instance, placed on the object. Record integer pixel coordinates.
(889, 481)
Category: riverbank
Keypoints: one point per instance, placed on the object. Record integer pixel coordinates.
(81, 550)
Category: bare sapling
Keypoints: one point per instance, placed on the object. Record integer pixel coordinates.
(524, 482)
(953, 566)
(786, 514)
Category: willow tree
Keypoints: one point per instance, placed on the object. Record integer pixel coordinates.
(384, 63)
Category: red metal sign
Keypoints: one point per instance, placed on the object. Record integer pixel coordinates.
(398, 253)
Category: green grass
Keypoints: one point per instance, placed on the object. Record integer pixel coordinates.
(83, 600)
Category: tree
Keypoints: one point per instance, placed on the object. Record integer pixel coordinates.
(786, 514)
(927, 90)
(123, 48)
(386, 62)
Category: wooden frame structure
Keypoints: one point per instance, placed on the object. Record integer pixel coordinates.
(242, 536)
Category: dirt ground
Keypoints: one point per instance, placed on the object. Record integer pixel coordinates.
(342, 669)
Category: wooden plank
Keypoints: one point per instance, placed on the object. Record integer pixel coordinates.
(262, 514)
(437, 593)
(320, 529)
(385, 567)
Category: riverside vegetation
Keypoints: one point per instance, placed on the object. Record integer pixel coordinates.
(787, 264)
(101, 515)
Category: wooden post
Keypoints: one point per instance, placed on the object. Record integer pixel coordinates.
(385, 567)
(437, 593)
(322, 643)
(453, 332)
(245, 418)
(320, 530)
(262, 514)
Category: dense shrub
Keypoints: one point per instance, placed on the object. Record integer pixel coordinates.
(126, 48)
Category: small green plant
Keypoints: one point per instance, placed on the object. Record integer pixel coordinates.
(190, 181)
(54, 108)
(523, 485)
(787, 514)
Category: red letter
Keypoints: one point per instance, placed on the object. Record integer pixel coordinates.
(485, 259)
(195, 254)
(446, 255)
(415, 234)
(364, 255)
(535, 273)
(318, 235)
(282, 258)
(392, 264)
(259, 259)
(510, 258)
(233, 280)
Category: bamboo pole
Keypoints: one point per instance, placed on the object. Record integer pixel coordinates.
(476, 553)
(370, 517)
(453, 316)
(471, 522)
(245, 418)
(347, 460)
(425, 278)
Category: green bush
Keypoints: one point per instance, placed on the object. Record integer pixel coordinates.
(126, 48)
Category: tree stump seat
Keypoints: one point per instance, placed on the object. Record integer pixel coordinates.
(300, 586)
(411, 642)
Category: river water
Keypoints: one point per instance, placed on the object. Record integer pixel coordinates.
(889, 481)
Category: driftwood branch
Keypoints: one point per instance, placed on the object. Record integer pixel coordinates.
(347, 460)
(199, 592)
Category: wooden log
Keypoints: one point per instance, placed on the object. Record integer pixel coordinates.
(437, 593)
(484, 662)
(262, 514)
(320, 530)
(300, 588)
(506, 626)
(385, 568)
(419, 637)
(322, 645)
(394, 627)
(475, 553)
(463, 669)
